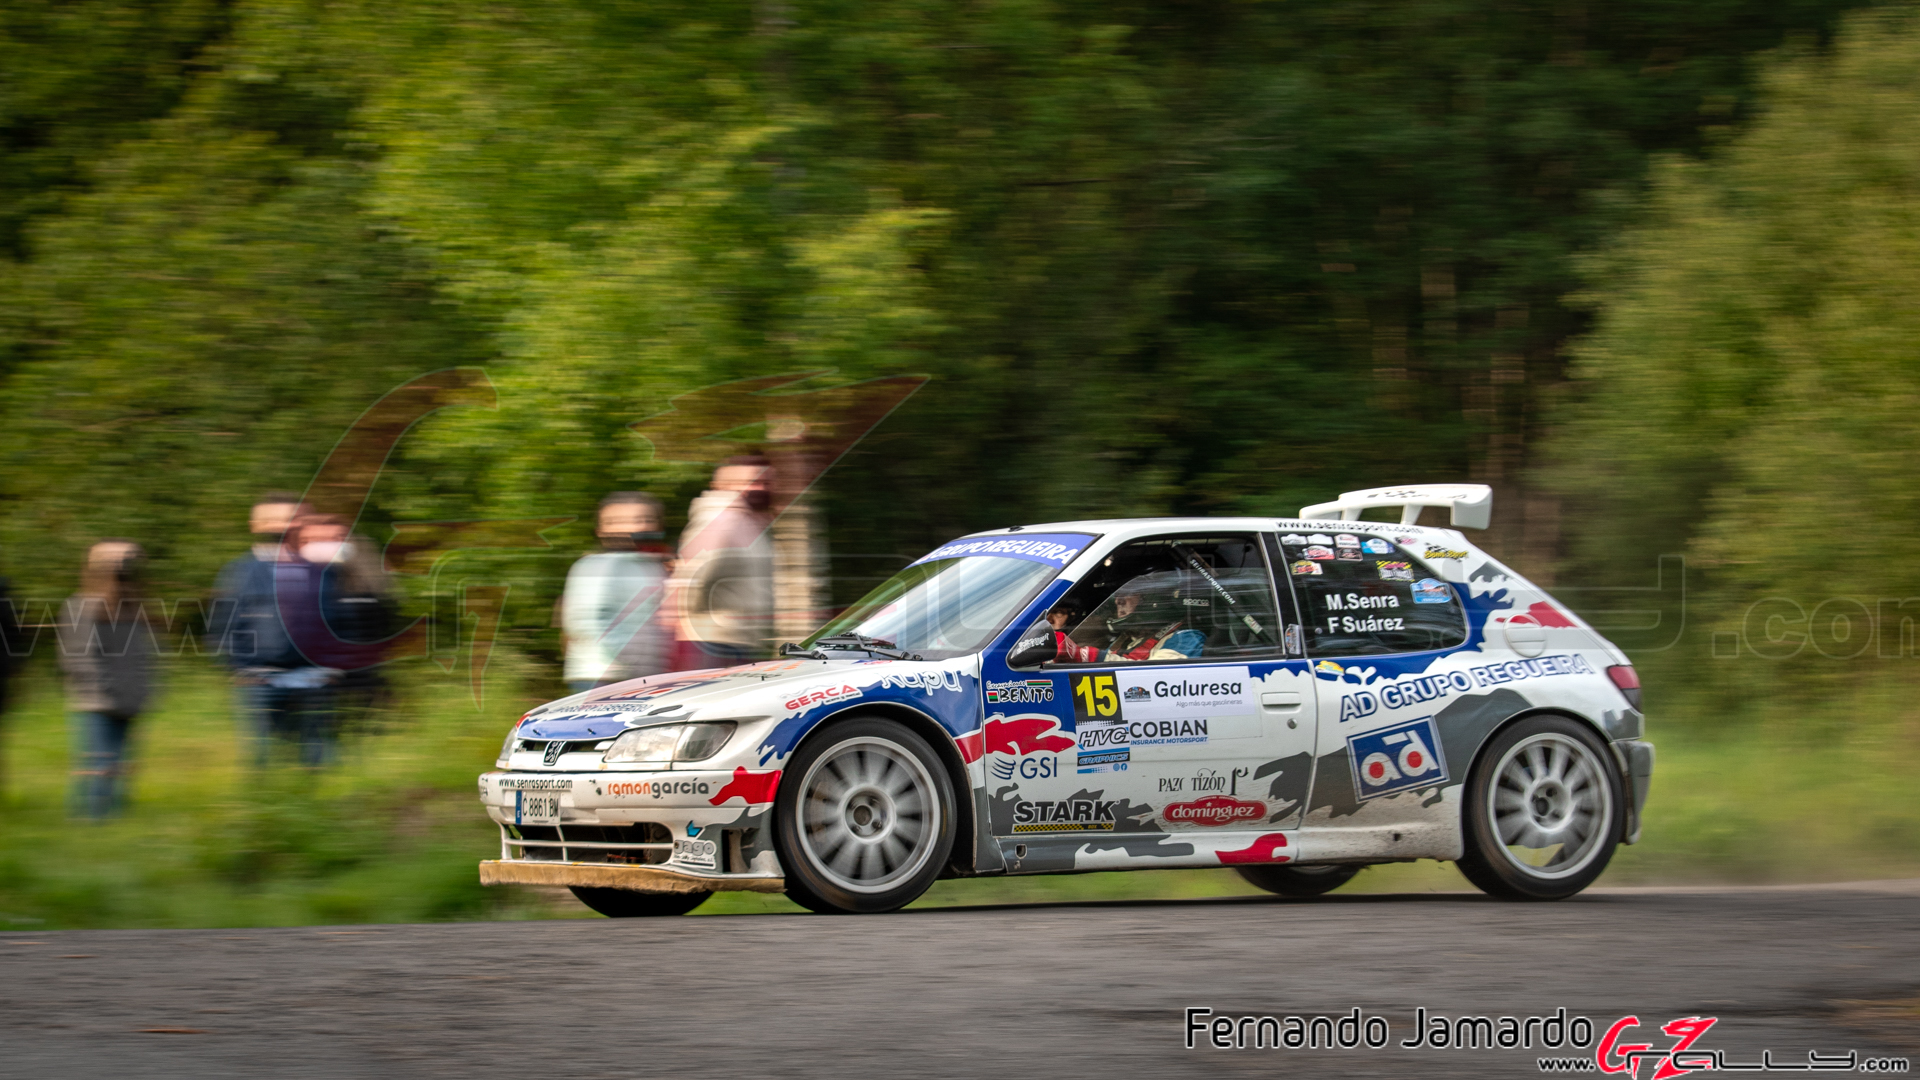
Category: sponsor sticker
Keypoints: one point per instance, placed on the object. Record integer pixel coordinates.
(1019, 692)
(1402, 693)
(699, 854)
(1176, 705)
(1100, 761)
(923, 680)
(1318, 552)
(536, 783)
(1395, 759)
(1027, 746)
(658, 789)
(1443, 553)
(1150, 707)
(1293, 538)
(1306, 568)
(1320, 538)
(819, 695)
(1376, 547)
(1395, 571)
(1346, 540)
(1205, 781)
(1539, 667)
(1213, 811)
(1431, 591)
(1054, 549)
(1063, 815)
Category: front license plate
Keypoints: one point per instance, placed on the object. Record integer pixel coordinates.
(536, 808)
(703, 854)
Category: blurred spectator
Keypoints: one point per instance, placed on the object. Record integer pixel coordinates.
(282, 696)
(723, 584)
(13, 650)
(106, 649)
(362, 613)
(333, 599)
(611, 612)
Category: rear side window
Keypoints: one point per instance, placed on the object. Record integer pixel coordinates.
(1363, 595)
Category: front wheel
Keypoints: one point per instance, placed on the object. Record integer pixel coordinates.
(864, 819)
(627, 904)
(1543, 811)
(1299, 880)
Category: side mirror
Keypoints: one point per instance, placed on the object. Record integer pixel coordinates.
(1034, 648)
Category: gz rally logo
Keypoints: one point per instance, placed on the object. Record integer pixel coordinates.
(1396, 759)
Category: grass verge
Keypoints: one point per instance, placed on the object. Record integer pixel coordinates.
(391, 832)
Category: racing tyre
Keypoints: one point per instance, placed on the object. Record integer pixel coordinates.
(1299, 880)
(864, 819)
(627, 904)
(1543, 811)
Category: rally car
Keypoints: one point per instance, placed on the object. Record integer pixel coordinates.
(1294, 698)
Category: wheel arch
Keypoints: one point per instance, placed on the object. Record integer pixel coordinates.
(960, 861)
(1599, 731)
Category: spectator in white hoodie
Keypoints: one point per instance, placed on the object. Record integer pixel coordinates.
(611, 612)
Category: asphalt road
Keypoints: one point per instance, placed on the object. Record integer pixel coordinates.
(1056, 991)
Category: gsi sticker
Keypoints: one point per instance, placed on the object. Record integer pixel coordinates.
(1398, 758)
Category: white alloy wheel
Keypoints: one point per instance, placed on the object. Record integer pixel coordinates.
(868, 815)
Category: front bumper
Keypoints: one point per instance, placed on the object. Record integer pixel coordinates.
(648, 831)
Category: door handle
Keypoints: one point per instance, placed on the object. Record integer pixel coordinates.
(1283, 700)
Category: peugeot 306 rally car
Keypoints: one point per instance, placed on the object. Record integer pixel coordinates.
(1293, 698)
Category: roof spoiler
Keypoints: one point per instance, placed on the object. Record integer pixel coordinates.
(1471, 504)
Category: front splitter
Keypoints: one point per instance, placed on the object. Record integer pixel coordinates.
(636, 878)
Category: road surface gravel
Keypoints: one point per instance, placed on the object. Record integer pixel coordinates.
(1052, 990)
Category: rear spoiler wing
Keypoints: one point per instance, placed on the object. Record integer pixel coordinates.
(1471, 505)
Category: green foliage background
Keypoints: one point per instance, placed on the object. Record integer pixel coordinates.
(1646, 267)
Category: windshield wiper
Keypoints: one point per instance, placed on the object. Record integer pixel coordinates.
(873, 645)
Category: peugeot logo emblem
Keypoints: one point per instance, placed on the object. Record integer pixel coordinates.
(554, 750)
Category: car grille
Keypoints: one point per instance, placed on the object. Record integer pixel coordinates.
(644, 843)
(552, 751)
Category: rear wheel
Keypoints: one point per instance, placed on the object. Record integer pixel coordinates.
(864, 819)
(1543, 811)
(627, 904)
(1299, 880)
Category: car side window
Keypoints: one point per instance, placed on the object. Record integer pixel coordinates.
(1171, 598)
(1365, 595)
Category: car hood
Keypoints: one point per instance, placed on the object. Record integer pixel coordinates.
(761, 689)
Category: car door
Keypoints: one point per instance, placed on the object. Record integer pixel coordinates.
(1379, 627)
(1186, 712)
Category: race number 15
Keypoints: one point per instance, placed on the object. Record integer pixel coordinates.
(1095, 697)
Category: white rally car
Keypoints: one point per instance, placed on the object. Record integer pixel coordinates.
(1294, 698)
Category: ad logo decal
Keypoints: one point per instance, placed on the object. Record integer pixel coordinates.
(1396, 759)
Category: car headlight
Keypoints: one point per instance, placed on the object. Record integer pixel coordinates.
(506, 748)
(664, 744)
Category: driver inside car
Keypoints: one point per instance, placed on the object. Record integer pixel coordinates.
(1147, 624)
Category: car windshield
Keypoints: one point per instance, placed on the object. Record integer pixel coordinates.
(941, 607)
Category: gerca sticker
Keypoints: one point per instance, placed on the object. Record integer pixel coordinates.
(1399, 758)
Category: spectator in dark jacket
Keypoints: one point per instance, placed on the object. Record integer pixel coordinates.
(283, 696)
(106, 649)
